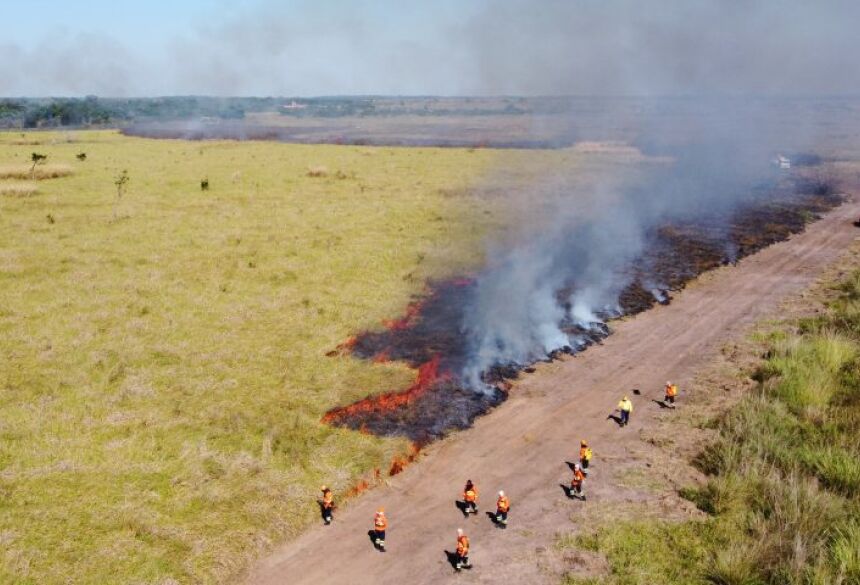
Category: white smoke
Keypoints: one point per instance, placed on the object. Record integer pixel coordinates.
(517, 312)
(569, 267)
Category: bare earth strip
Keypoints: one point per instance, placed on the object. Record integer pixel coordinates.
(522, 446)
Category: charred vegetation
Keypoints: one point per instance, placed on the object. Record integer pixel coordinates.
(429, 335)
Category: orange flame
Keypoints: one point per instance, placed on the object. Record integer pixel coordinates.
(405, 321)
(344, 348)
(428, 374)
(381, 357)
(359, 487)
(400, 462)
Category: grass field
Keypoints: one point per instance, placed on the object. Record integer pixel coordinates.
(783, 496)
(163, 366)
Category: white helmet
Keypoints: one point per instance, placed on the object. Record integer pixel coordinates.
(502, 493)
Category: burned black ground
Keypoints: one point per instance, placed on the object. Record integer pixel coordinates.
(434, 327)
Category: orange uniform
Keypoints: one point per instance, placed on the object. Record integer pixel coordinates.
(471, 494)
(470, 498)
(578, 478)
(503, 504)
(671, 390)
(463, 545)
(327, 504)
(380, 522)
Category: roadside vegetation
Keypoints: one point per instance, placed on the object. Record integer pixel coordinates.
(783, 495)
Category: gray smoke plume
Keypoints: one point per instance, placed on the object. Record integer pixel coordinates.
(517, 313)
(570, 265)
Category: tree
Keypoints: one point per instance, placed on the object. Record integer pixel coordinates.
(37, 159)
(121, 180)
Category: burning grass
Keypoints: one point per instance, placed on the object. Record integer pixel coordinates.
(161, 410)
(429, 334)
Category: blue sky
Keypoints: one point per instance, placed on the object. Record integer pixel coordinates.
(326, 47)
(144, 24)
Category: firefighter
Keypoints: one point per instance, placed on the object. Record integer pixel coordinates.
(577, 483)
(462, 551)
(671, 393)
(503, 504)
(470, 498)
(327, 504)
(585, 455)
(380, 525)
(625, 407)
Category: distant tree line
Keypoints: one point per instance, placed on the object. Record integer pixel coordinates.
(336, 107)
(94, 111)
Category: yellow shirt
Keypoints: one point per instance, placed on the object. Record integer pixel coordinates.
(625, 405)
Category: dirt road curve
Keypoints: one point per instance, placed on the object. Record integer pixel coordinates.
(522, 446)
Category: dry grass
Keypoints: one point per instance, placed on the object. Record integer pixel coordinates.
(317, 171)
(41, 172)
(163, 377)
(18, 189)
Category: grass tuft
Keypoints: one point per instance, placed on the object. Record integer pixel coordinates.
(18, 189)
(39, 173)
(317, 171)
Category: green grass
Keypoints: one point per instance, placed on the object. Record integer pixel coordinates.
(163, 368)
(675, 552)
(783, 496)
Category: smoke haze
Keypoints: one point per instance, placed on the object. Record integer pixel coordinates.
(622, 47)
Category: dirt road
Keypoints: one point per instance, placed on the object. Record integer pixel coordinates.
(522, 446)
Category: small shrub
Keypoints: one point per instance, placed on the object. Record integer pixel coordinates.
(317, 171)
